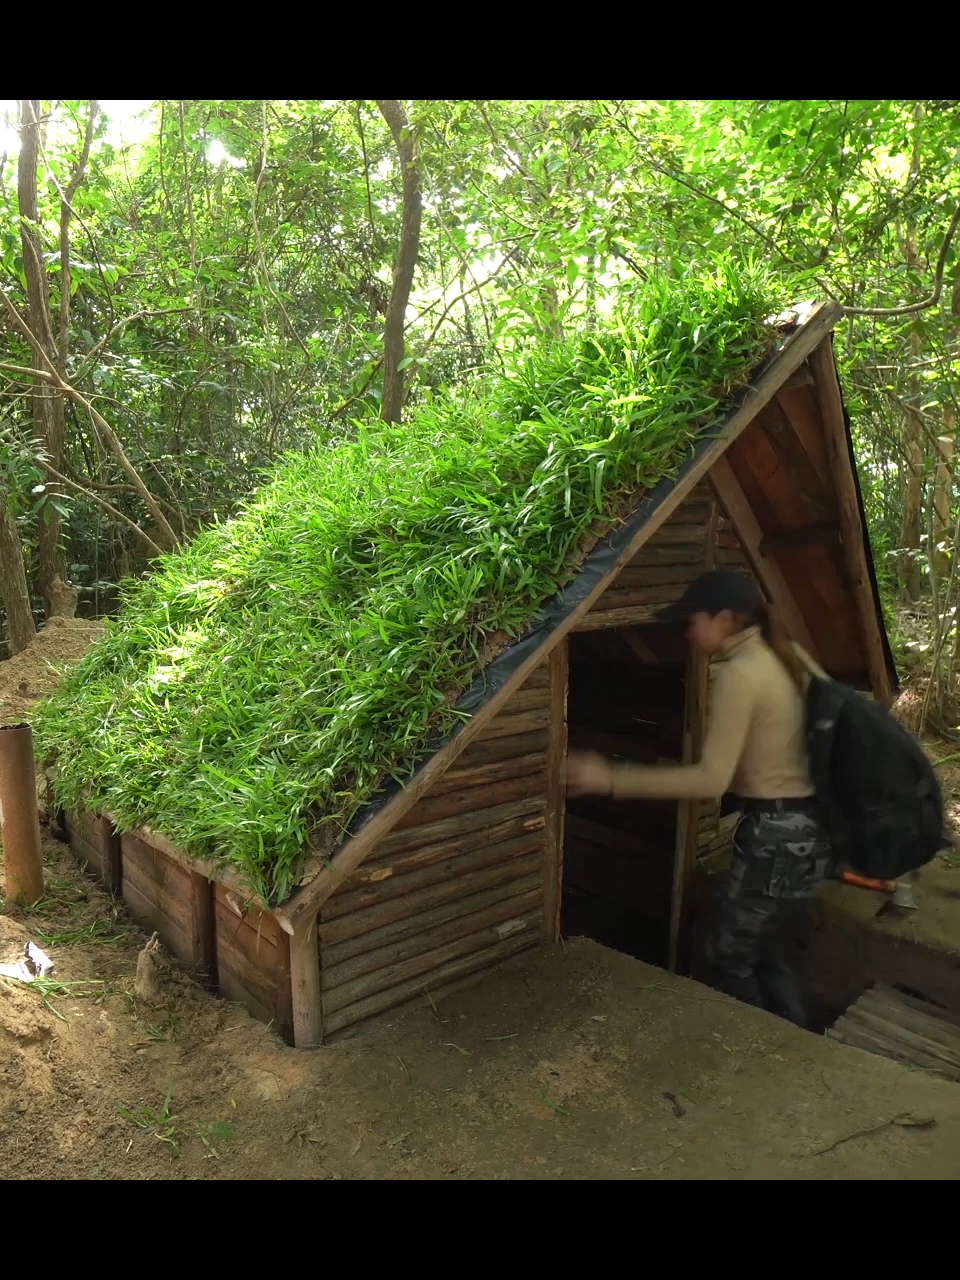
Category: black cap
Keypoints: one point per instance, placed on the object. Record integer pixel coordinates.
(712, 593)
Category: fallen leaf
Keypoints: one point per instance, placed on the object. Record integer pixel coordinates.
(554, 1106)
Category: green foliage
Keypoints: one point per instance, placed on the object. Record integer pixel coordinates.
(160, 1123)
(259, 688)
(230, 272)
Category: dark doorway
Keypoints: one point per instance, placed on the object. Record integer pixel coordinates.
(619, 855)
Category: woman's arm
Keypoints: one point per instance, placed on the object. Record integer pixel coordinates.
(731, 709)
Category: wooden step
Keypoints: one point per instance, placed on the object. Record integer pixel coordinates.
(899, 1026)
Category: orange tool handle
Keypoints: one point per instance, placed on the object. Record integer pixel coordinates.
(863, 882)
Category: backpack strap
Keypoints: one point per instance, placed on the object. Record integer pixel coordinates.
(812, 668)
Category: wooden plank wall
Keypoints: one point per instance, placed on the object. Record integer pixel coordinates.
(674, 556)
(458, 885)
(96, 844)
(84, 832)
(169, 898)
(253, 960)
(239, 951)
(792, 468)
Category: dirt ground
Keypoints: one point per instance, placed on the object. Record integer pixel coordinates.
(30, 674)
(573, 1062)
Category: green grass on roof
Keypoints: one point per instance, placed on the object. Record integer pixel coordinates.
(259, 687)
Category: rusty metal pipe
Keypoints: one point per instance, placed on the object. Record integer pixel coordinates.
(19, 816)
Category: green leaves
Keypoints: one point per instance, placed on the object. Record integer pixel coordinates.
(259, 688)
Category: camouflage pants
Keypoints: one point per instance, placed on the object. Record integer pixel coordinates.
(778, 859)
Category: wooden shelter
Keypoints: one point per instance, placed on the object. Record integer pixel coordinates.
(480, 855)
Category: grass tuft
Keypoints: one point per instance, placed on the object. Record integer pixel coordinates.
(258, 689)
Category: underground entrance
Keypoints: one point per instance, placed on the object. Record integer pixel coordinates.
(626, 700)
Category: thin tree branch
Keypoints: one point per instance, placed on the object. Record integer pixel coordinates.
(934, 297)
(66, 209)
(52, 376)
(625, 257)
(256, 231)
(474, 288)
(366, 173)
(37, 300)
(65, 200)
(114, 329)
(375, 369)
(188, 197)
(667, 171)
(102, 502)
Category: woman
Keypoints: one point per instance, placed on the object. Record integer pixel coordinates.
(754, 746)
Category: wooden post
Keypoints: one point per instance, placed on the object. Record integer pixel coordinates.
(19, 816)
(688, 811)
(204, 927)
(305, 984)
(556, 792)
(112, 862)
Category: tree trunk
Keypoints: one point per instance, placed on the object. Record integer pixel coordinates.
(13, 581)
(943, 495)
(48, 414)
(910, 528)
(912, 522)
(406, 144)
(551, 306)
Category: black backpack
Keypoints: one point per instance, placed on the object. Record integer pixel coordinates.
(879, 797)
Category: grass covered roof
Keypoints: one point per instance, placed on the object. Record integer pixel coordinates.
(258, 688)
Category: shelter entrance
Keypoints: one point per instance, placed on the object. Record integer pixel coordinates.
(626, 700)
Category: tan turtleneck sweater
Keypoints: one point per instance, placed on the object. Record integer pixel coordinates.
(755, 741)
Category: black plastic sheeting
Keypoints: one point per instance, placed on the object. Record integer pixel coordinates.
(594, 569)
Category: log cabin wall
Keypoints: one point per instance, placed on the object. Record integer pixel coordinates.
(466, 879)
(673, 556)
(788, 484)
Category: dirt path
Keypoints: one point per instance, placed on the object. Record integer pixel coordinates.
(29, 675)
(575, 1062)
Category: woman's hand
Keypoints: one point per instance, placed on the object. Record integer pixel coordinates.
(588, 774)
